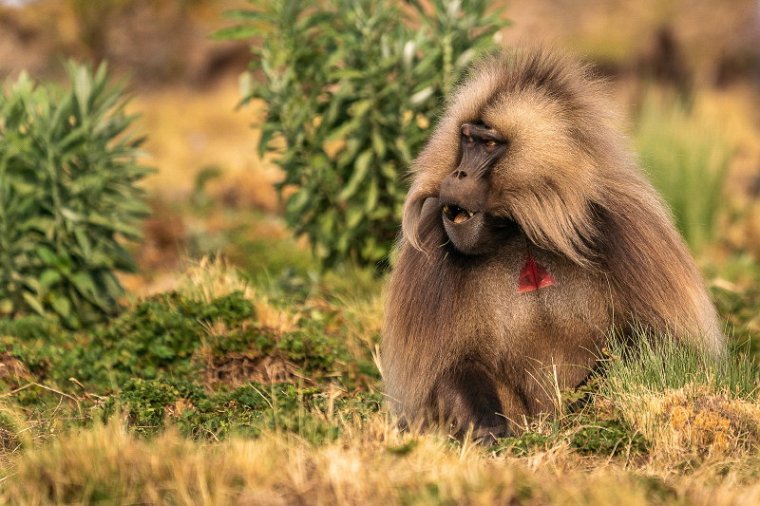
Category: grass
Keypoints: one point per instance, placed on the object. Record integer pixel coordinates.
(686, 154)
(650, 366)
(229, 390)
(685, 405)
(363, 468)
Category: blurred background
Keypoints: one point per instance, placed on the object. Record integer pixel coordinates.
(686, 75)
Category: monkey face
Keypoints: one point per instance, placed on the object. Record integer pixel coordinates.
(524, 147)
(465, 192)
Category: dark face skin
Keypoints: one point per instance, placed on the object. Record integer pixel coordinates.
(464, 192)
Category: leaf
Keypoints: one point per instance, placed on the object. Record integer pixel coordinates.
(361, 107)
(113, 288)
(47, 256)
(353, 217)
(6, 307)
(83, 283)
(378, 144)
(453, 8)
(75, 136)
(235, 33)
(409, 52)
(267, 132)
(246, 15)
(38, 223)
(327, 223)
(403, 148)
(361, 168)
(71, 215)
(83, 242)
(297, 202)
(464, 59)
(61, 305)
(245, 84)
(388, 170)
(373, 194)
(82, 88)
(49, 278)
(33, 303)
(422, 96)
(127, 230)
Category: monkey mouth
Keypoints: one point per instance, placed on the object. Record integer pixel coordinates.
(456, 214)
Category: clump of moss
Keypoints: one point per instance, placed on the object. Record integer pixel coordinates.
(207, 366)
(163, 335)
(159, 334)
(314, 350)
(34, 341)
(607, 437)
(699, 423)
(590, 433)
(146, 403)
(524, 444)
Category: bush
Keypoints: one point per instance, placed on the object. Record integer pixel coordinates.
(67, 194)
(351, 89)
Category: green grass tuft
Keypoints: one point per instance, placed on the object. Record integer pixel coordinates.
(647, 364)
(686, 157)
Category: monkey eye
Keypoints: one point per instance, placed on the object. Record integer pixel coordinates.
(490, 144)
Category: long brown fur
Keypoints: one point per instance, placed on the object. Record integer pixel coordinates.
(460, 344)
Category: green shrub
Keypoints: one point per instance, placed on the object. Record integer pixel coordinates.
(68, 174)
(351, 89)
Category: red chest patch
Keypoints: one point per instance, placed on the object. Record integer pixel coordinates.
(533, 276)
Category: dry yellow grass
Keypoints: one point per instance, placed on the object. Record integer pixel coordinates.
(692, 426)
(371, 464)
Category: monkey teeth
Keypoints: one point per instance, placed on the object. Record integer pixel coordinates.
(456, 214)
(461, 217)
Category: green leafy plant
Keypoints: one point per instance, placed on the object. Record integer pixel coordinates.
(68, 174)
(351, 90)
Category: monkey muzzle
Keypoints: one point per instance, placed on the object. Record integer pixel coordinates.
(465, 229)
(462, 200)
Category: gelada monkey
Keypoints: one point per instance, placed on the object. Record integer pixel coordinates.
(530, 235)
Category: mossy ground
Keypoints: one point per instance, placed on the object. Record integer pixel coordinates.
(265, 389)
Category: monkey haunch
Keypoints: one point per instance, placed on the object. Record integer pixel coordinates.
(529, 236)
